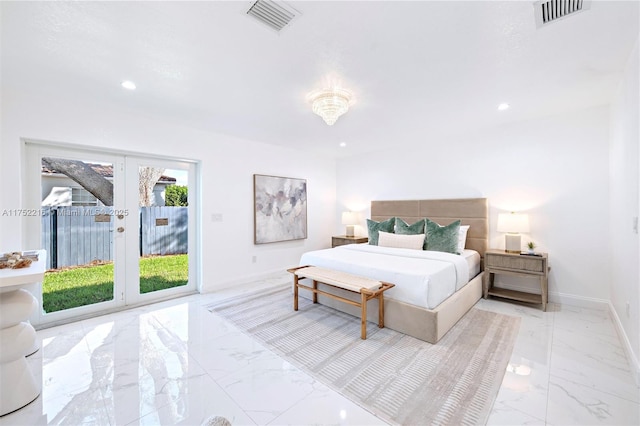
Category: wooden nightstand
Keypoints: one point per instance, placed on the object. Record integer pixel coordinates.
(501, 262)
(342, 240)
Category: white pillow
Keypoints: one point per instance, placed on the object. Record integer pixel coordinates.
(462, 238)
(387, 239)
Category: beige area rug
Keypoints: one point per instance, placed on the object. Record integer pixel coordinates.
(397, 377)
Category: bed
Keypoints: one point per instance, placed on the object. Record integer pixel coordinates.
(428, 299)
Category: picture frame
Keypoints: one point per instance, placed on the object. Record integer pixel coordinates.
(279, 209)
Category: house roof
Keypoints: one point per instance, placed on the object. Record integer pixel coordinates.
(421, 71)
(105, 170)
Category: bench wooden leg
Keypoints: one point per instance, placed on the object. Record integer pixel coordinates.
(295, 292)
(315, 295)
(363, 320)
(381, 310)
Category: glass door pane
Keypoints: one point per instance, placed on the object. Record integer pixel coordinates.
(164, 217)
(77, 230)
(164, 228)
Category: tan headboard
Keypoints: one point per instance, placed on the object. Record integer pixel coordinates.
(471, 211)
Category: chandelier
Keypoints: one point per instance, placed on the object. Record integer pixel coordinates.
(330, 103)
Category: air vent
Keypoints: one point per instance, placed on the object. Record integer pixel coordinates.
(276, 15)
(548, 11)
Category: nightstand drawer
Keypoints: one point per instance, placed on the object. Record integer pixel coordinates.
(342, 240)
(522, 263)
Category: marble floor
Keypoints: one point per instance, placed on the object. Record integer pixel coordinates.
(176, 363)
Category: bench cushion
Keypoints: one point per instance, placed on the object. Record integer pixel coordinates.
(338, 279)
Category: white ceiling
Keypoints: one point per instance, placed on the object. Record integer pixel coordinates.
(422, 72)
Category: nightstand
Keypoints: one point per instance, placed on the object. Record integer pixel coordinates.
(501, 262)
(342, 240)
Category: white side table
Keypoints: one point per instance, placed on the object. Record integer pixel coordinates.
(17, 336)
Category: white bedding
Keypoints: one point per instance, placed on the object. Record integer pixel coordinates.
(422, 278)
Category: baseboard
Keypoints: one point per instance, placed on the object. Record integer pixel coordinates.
(634, 363)
(579, 301)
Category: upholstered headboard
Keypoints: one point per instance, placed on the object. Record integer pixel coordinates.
(471, 211)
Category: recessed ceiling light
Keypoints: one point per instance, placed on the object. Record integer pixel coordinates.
(343, 144)
(503, 106)
(127, 84)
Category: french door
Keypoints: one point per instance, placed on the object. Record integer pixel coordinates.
(118, 229)
(160, 244)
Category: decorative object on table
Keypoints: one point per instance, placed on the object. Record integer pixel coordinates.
(350, 219)
(531, 247)
(330, 103)
(17, 260)
(513, 224)
(280, 209)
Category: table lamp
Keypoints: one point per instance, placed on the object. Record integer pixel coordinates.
(350, 219)
(513, 223)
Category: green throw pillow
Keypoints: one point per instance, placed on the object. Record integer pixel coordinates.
(375, 227)
(404, 228)
(442, 238)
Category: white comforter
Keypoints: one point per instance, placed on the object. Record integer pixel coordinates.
(422, 278)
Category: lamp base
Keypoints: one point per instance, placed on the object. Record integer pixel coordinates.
(351, 231)
(512, 243)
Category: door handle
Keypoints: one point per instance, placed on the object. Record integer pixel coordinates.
(120, 229)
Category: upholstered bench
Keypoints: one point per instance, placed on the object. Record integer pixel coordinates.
(366, 287)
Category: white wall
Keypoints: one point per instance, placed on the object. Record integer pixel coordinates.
(228, 165)
(624, 205)
(555, 169)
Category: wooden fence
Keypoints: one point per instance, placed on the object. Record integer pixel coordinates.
(81, 235)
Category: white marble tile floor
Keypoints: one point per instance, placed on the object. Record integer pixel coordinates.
(174, 362)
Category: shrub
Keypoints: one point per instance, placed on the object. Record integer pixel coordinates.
(176, 196)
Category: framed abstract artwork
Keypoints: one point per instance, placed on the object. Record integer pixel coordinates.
(280, 209)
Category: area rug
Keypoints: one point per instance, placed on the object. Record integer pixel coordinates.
(399, 378)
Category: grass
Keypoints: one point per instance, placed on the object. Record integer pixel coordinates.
(87, 285)
(160, 272)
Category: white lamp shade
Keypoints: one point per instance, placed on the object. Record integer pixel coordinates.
(513, 223)
(350, 218)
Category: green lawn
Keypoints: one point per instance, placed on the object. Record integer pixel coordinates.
(92, 284)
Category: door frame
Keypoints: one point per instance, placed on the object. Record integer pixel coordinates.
(32, 226)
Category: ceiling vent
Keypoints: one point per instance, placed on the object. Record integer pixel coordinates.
(276, 15)
(548, 11)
